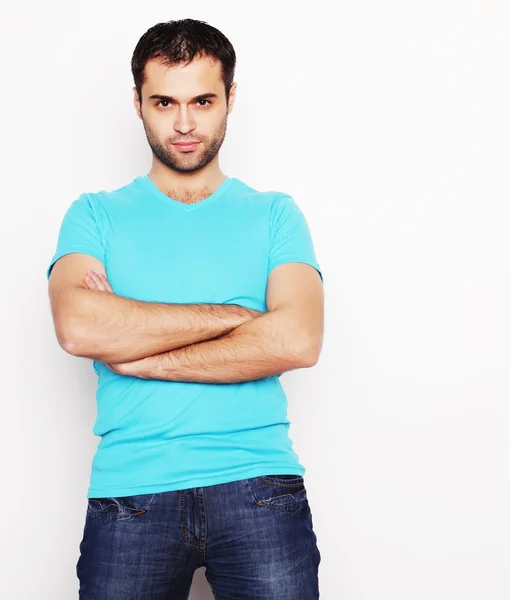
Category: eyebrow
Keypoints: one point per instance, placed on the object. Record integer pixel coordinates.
(172, 99)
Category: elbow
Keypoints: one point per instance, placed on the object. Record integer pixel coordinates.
(75, 330)
(68, 345)
(310, 352)
(76, 339)
(310, 359)
(69, 337)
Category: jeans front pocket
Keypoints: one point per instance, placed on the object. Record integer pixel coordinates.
(121, 507)
(284, 493)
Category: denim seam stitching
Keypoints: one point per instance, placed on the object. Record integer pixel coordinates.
(272, 483)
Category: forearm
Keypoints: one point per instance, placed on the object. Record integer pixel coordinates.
(112, 328)
(265, 346)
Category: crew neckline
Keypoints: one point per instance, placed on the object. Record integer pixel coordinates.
(151, 187)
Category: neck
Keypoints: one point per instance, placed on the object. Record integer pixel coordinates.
(187, 187)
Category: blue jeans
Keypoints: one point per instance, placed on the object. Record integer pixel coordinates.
(254, 536)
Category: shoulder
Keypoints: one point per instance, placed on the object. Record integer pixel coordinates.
(274, 199)
(102, 199)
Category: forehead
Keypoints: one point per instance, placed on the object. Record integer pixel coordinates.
(203, 74)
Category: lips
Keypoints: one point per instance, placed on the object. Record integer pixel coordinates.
(186, 145)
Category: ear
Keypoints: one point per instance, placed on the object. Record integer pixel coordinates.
(136, 102)
(231, 97)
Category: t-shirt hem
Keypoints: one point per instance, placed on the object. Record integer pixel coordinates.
(291, 260)
(80, 250)
(291, 469)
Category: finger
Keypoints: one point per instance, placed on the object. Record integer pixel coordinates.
(107, 283)
(90, 283)
(98, 281)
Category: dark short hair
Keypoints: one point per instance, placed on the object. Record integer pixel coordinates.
(181, 41)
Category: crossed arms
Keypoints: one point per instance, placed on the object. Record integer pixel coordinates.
(213, 343)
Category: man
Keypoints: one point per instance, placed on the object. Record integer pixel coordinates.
(192, 292)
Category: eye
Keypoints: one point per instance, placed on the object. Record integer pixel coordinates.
(203, 102)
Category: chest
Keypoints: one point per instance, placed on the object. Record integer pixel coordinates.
(199, 256)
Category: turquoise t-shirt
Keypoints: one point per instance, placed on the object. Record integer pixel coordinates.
(159, 435)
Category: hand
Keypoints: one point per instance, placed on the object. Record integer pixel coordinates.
(134, 368)
(98, 282)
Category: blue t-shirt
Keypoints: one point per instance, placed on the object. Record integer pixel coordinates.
(160, 435)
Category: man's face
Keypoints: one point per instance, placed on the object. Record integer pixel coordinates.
(184, 103)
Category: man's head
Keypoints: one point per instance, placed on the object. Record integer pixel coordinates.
(183, 73)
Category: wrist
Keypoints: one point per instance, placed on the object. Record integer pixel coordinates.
(159, 366)
(147, 368)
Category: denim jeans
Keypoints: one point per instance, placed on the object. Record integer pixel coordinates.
(254, 536)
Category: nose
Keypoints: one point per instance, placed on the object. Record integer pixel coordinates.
(183, 123)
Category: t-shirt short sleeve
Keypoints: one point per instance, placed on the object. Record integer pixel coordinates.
(290, 238)
(79, 232)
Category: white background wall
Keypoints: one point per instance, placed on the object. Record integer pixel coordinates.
(389, 123)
